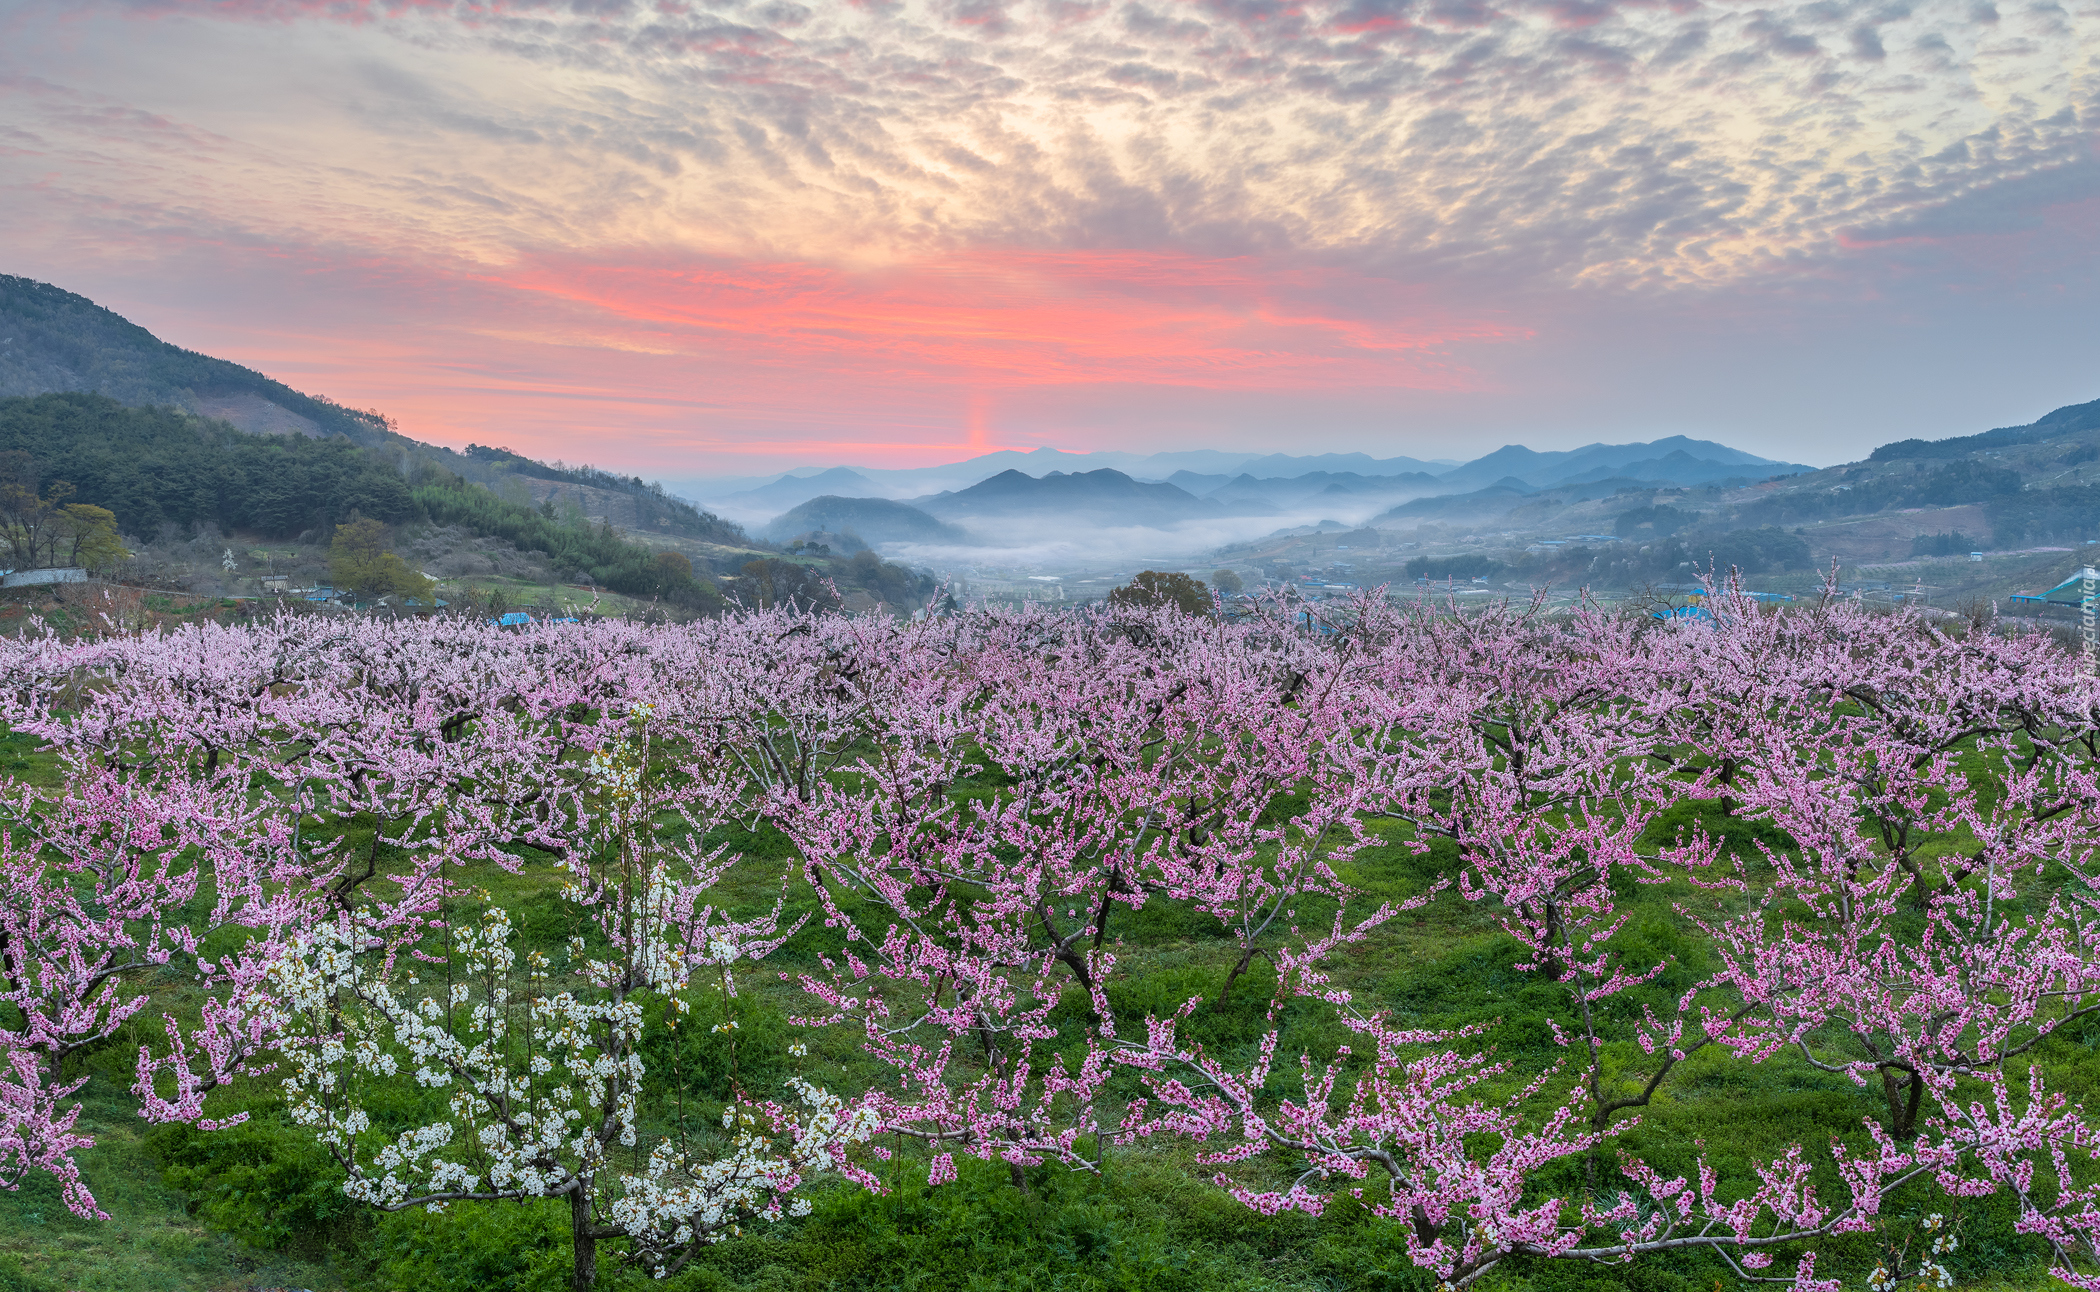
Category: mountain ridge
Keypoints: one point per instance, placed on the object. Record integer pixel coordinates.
(1242, 480)
(53, 341)
(872, 520)
(1103, 497)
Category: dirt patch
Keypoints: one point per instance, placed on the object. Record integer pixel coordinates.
(1886, 536)
(450, 552)
(255, 415)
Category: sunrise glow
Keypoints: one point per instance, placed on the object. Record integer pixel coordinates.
(690, 238)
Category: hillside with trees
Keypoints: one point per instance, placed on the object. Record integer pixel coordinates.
(166, 466)
(874, 520)
(54, 341)
(162, 468)
(1957, 524)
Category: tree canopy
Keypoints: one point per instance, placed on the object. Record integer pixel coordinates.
(358, 559)
(1153, 588)
(157, 466)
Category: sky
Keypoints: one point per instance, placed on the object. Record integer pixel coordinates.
(721, 237)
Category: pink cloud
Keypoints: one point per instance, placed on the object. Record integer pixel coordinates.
(650, 361)
(1009, 318)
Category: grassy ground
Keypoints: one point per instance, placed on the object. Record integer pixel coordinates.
(259, 1207)
(518, 594)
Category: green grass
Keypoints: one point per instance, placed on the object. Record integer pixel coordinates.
(521, 593)
(151, 1242)
(260, 1207)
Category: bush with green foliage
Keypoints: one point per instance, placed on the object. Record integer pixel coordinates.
(1955, 543)
(1153, 589)
(358, 560)
(1471, 566)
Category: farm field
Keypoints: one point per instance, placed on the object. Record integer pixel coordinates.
(1487, 867)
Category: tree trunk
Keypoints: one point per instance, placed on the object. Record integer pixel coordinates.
(585, 1275)
(1246, 960)
(1551, 964)
(1904, 1098)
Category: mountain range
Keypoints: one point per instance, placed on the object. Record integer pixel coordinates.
(55, 341)
(2038, 482)
(907, 482)
(52, 340)
(1210, 484)
(873, 520)
(2033, 484)
(1022, 491)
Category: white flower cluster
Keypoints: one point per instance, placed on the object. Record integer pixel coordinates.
(525, 1119)
(617, 771)
(1941, 1243)
(679, 1200)
(617, 768)
(542, 1070)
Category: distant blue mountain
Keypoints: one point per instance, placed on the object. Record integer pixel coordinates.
(1363, 464)
(1695, 460)
(1212, 482)
(1680, 468)
(1101, 497)
(873, 520)
(1290, 491)
(1499, 496)
(792, 490)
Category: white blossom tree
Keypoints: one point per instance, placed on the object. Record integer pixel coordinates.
(537, 1061)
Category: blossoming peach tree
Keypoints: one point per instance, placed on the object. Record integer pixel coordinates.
(533, 1064)
(307, 820)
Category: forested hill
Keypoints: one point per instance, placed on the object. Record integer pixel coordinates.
(161, 465)
(54, 341)
(2038, 483)
(2070, 420)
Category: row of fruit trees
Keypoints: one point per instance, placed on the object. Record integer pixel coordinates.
(290, 819)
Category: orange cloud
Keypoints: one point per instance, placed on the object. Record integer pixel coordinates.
(652, 363)
(1012, 319)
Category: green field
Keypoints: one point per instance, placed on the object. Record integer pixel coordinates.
(260, 1206)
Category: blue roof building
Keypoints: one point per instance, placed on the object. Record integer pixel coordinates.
(1685, 615)
(2071, 592)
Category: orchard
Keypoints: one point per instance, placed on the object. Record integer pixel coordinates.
(824, 905)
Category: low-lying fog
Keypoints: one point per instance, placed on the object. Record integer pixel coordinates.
(1040, 546)
(1047, 545)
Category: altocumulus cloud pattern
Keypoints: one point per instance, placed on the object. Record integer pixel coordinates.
(973, 195)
